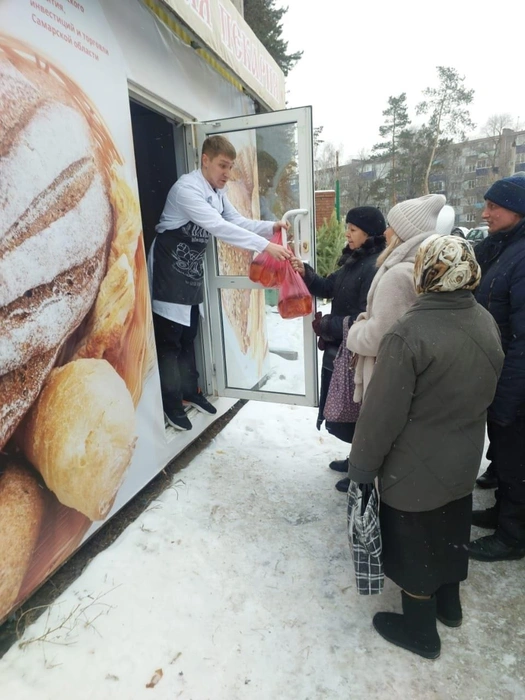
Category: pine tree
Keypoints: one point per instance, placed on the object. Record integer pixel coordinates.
(446, 107)
(395, 124)
(266, 21)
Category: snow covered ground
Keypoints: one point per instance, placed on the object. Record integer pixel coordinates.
(237, 584)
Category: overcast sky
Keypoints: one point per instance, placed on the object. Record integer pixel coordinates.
(357, 54)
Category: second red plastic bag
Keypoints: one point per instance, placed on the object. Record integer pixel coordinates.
(267, 270)
(294, 298)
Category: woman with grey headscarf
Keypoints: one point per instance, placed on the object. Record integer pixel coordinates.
(421, 432)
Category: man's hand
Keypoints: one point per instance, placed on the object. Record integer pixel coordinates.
(278, 225)
(298, 266)
(278, 252)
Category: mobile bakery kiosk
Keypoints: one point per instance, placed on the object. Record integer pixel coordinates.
(104, 104)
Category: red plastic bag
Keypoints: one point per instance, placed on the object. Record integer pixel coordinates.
(267, 270)
(294, 298)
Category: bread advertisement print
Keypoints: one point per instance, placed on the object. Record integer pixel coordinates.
(76, 342)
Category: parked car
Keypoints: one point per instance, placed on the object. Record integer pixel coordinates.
(476, 235)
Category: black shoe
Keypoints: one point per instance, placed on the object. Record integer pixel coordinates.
(200, 402)
(491, 548)
(448, 605)
(488, 480)
(414, 630)
(487, 518)
(339, 465)
(179, 421)
(343, 484)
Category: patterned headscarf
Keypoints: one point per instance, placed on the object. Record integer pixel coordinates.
(445, 264)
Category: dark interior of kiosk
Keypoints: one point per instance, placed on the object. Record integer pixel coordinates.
(155, 162)
(156, 166)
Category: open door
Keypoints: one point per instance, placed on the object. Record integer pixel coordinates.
(255, 354)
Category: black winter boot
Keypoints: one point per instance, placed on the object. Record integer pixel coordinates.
(508, 542)
(488, 480)
(339, 465)
(343, 485)
(487, 518)
(448, 605)
(492, 548)
(414, 630)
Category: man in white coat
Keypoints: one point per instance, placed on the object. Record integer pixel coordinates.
(196, 208)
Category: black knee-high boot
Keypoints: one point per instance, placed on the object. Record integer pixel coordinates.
(415, 629)
(448, 605)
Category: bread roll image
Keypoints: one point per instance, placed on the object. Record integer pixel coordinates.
(21, 509)
(80, 435)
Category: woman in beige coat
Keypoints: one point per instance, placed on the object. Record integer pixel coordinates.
(392, 291)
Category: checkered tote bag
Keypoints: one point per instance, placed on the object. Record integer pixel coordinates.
(364, 535)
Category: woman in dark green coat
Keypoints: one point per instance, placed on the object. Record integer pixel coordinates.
(421, 431)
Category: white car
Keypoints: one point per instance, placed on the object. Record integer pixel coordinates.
(478, 234)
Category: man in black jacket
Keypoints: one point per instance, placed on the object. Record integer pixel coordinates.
(502, 292)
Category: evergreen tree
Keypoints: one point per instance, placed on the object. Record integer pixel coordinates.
(395, 124)
(265, 20)
(330, 241)
(446, 107)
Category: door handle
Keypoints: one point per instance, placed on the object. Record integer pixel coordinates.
(300, 246)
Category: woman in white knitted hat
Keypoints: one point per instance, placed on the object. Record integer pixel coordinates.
(392, 291)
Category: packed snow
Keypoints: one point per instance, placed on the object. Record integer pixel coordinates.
(238, 583)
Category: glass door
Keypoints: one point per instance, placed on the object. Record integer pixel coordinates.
(255, 353)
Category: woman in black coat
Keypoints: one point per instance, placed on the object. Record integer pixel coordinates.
(347, 287)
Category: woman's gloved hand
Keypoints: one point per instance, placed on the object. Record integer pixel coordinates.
(316, 325)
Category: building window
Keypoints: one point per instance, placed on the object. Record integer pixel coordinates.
(455, 201)
(483, 163)
(471, 200)
(471, 218)
(471, 168)
(471, 184)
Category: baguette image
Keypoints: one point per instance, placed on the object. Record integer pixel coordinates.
(22, 509)
(80, 435)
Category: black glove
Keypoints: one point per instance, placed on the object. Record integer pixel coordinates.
(316, 323)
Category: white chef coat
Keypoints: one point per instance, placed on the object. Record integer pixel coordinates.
(192, 198)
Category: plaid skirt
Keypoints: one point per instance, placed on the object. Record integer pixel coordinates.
(423, 551)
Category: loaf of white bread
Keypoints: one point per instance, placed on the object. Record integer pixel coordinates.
(80, 435)
(55, 229)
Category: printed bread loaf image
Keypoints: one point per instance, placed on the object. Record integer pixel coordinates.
(21, 509)
(75, 324)
(80, 435)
